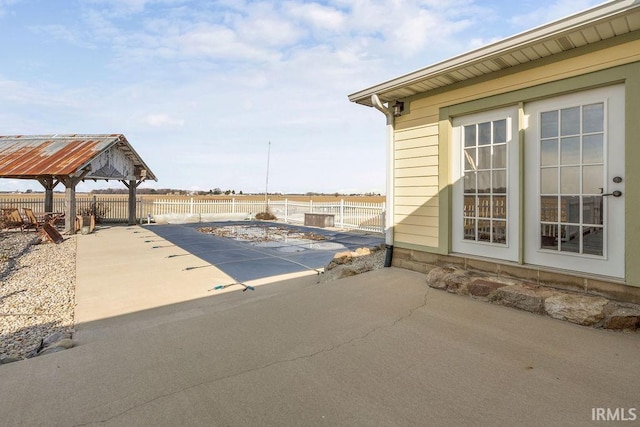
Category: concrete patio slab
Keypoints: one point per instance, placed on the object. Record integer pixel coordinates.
(379, 348)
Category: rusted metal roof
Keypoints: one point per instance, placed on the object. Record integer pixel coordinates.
(33, 156)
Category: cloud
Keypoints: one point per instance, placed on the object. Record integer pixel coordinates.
(62, 33)
(4, 6)
(221, 78)
(552, 12)
(163, 120)
(318, 16)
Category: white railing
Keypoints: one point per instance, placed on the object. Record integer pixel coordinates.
(356, 215)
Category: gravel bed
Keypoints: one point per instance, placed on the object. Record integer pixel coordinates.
(37, 291)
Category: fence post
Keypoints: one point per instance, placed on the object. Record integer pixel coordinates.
(191, 206)
(341, 213)
(233, 205)
(286, 211)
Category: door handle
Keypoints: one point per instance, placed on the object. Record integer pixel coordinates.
(616, 193)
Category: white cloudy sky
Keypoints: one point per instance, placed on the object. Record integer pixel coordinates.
(200, 88)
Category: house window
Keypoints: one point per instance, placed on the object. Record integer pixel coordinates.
(485, 182)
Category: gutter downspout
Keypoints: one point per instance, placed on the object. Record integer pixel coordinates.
(388, 217)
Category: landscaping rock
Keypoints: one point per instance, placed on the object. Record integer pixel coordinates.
(346, 264)
(577, 308)
(580, 309)
(55, 337)
(482, 288)
(451, 278)
(530, 298)
(435, 277)
(9, 359)
(340, 258)
(621, 316)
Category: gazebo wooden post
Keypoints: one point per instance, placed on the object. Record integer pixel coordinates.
(132, 185)
(70, 203)
(49, 183)
(70, 183)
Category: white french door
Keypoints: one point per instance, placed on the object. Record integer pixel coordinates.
(574, 182)
(485, 171)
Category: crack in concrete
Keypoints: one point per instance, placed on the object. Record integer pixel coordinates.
(268, 365)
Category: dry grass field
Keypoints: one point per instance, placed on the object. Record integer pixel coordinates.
(256, 197)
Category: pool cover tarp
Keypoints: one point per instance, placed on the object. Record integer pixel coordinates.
(246, 260)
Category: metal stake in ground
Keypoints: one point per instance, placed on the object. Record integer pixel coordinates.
(217, 288)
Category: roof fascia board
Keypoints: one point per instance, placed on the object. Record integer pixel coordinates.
(513, 43)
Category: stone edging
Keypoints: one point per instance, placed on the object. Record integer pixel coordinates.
(581, 309)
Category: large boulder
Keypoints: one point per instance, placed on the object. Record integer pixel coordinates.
(621, 316)
(483, 288)
(580, 309)
(526, 297)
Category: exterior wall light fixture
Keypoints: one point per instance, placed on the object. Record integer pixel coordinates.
(398, 108)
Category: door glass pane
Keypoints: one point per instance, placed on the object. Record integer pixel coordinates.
(549, 124)
(592, 179)
(571, 205)
(470, 182)
(570, 209)
(592, 242)
(499, 232)
(484, 206)
(500, 181)
(549, 208)
(484, 181)
(469, 206)
(570, 121)
(549, 181)
(500, 207)
(500, 156)
(484, 230)
(593, 118)
(549, 236)
(499, 131)
(484, 157)
(570, 180)
(592, 210)
(484, 133)
(470, 136)
(570, 151)
(470, 159)
(570, 238)
(592, 148)
(469, 229)
(549, 152)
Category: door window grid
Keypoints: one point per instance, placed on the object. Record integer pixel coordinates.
(572, 179)
(485, 182)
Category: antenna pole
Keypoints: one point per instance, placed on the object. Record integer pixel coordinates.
(266, 188)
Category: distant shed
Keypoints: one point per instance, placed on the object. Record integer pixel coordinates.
(69, 159)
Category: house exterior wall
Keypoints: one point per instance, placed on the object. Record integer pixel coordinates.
(422, 136)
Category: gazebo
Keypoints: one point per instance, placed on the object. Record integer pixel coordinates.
(69, 159)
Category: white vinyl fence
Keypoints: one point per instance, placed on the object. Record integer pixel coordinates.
(347, 214)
